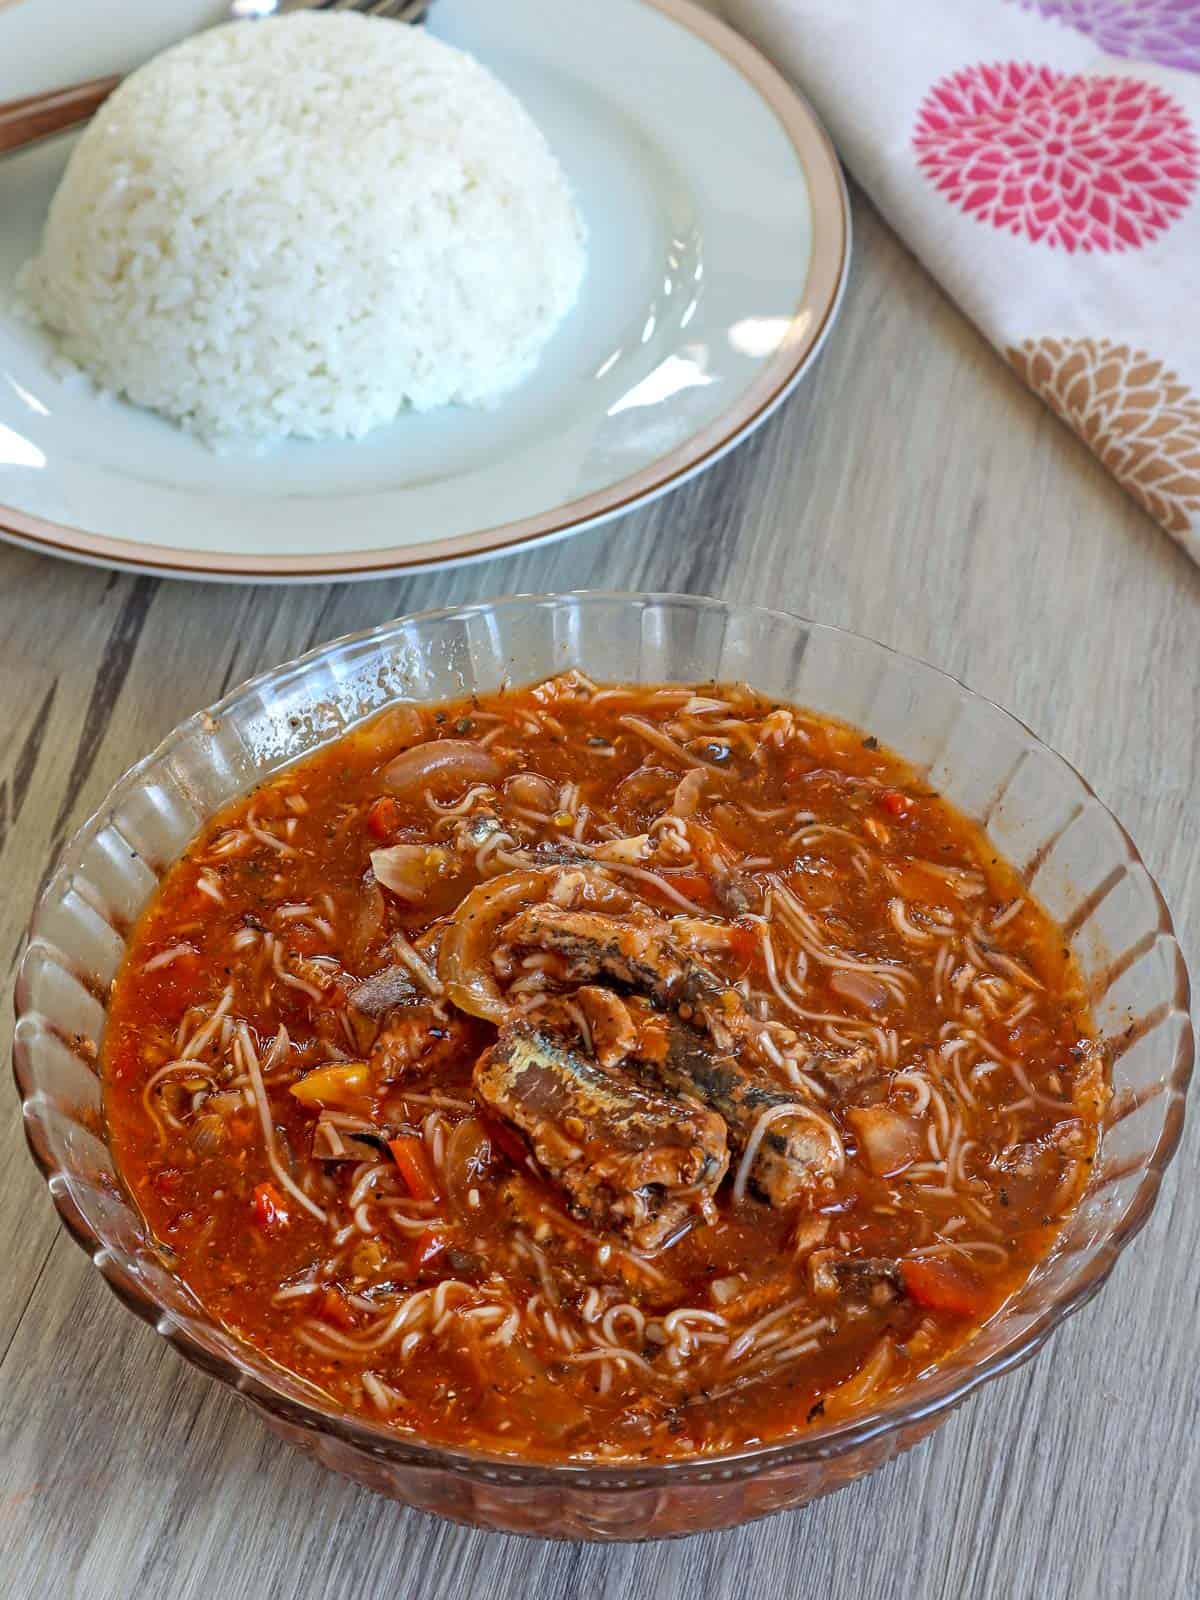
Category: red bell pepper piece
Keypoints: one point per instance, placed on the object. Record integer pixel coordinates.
(412, 1163)
(269, 1209)
(940, 1286)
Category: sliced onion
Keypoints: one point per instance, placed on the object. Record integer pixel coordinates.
(532, 790)
(582, 889)
(646, 787)
(407, 869)
(463, 964)
(688, 791)
(860, 989)
(442, 763)
(889, 1140)
(468, 1154)
(631, 850)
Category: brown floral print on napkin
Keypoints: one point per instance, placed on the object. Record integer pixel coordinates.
(1131, 411)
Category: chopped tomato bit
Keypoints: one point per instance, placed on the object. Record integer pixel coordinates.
(426, 1248)
(408, 1152)
(333, 1308)
(895, 803)
(383, 817)
(241, 1128)
(745, 944)
(270, 1211)
(939, 1286)
(694, 886)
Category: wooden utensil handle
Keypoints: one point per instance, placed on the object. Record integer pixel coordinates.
(36, 116)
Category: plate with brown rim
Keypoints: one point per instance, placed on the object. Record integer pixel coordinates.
(719, 243)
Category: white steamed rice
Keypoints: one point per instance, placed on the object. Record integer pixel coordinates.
(302, 226)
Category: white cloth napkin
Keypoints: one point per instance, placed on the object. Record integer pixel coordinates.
(1042, 158)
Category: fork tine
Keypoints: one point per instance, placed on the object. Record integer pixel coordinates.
(398, 10)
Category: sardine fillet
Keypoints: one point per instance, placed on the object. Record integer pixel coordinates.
(627, 1156)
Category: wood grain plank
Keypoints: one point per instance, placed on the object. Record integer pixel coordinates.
(909, 489)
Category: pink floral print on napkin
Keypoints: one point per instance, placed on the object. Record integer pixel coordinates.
(1082, 162)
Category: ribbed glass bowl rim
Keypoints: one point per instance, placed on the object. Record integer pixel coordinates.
(822, 1443)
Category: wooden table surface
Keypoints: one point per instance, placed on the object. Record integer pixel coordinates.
(910, 490)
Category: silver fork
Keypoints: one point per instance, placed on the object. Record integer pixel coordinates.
(38, 116)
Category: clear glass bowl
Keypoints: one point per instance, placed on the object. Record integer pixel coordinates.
(1041, 814)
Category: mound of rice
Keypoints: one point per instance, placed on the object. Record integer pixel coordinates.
(302, 226)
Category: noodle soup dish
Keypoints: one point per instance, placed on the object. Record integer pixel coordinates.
(600, 1073)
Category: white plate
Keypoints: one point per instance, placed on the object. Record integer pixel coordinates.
(718, 249)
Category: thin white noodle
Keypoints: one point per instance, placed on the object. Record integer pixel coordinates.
(164, 958)
(807, 834)
(806, 931)
(413, 1225)
(269, 839)
(294, 1291)
(773, 975)
(623, 1312)
(366, 1180)
(663, 741)
(957, 1171)
(904, 926)
(507, 1331)
(492, 845)
(919, 1087)
(960, 1083)
(200, 1039)
(289, 978)
(417, 965)
(750, 1153)
(1018, 1072)
(433, 1129)
(611, 1353)
(459, 807)
(423, 1305)
(232, 839)
(169, 1070)
(755, 1331)
(693, 1314)
(777, 1355)
(1003, 918)
(984, 955)
(964, 1247)
(206, 886)
(652, 877)
(383, 1397)
(250, 1055)
(941, 970)
(276, 1051)
(445, 1102)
